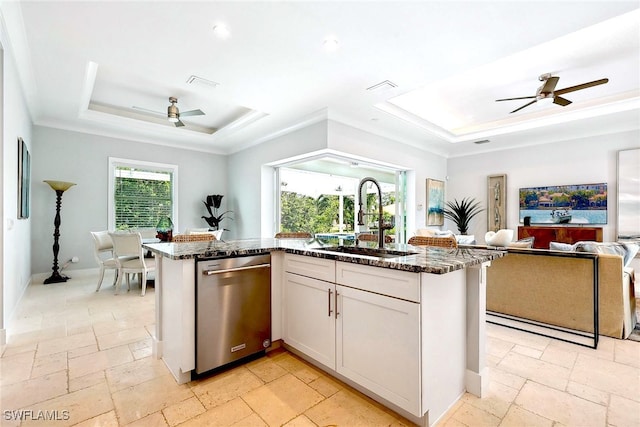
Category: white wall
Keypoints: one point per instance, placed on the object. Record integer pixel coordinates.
(420, 164)
(251, 183)
(580, 161)
(15, 248)
(83, 159)
(250, 180)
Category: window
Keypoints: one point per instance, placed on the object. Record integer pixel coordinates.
(319, 196)
(141, 193)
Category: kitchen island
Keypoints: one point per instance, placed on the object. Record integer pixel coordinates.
(405, 326)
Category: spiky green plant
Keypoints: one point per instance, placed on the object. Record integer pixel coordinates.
(462, 212)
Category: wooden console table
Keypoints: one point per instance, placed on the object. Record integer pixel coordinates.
(567, 234)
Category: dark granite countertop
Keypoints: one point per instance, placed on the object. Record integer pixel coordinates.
(425, 260)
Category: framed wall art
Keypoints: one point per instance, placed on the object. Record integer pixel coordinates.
(629, 195)
(435, 202)
(24, 179)
(564, 204)
(496, 202)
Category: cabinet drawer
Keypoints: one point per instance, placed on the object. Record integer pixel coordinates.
(317, 268)
(385, 281)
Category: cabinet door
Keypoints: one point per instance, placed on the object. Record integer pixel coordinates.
(378, 345)
(309, 320)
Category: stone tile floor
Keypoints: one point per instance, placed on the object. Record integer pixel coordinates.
(84, 358)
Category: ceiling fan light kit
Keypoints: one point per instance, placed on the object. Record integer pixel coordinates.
(546, 94)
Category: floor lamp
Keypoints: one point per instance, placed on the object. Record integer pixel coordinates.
(59, 187)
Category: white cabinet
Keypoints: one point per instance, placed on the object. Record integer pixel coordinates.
(378, 345)
(309, 317)
(309, 308)
(366, 328)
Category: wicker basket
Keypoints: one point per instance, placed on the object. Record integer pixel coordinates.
(443, 242)
(293, 235)
(370, 237)
(200, 237)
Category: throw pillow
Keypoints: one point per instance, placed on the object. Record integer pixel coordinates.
(632, 251)
(626, 250)
(426, 232)
(526, 243)
(557, 246)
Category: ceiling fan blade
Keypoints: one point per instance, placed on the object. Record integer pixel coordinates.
(512, 99)
(192, 113)
(580, 87)
(525, 105)
(561, 101)
(179, 123)
(149, 111)
(549, 84)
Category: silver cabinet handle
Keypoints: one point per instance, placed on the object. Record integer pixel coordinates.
(329, 302)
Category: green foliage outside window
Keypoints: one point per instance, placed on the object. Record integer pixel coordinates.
(140, 203)
(304, 213)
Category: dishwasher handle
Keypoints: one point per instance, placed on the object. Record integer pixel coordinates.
(251, 267)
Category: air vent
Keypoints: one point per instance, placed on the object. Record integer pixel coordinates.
(383, 85)
(199, 80)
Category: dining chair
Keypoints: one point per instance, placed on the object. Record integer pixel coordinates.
(103, 253)
(217, 233)
(443, 242)
(293, 235)
(129, 254)
(370, 237)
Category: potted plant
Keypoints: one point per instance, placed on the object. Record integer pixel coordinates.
(214, 219)
(462, 212)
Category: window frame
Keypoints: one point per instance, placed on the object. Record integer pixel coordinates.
(400, 184)
(115, 162)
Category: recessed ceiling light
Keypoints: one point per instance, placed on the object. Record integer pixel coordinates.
(331, 44)
(221, 31)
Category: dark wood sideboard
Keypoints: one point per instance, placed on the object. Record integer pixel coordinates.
(563, 234)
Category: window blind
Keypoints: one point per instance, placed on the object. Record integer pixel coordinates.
(141, 197)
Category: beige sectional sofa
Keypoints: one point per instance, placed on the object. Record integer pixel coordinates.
(556, 288)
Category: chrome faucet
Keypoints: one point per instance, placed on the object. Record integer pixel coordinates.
(361, 213)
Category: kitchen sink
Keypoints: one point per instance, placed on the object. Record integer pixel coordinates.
(380, 253)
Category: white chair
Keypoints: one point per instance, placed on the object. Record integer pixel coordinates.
(127, 248)
(103, 252)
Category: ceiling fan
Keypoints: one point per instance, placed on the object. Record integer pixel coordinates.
(173, 114)
(546, 91)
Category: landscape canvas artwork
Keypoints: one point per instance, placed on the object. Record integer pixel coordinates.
(564, 204)
(435, 202)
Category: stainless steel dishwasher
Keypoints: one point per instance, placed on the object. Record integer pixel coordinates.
(233, 309)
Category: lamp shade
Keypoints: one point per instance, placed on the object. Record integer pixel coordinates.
(59, 185)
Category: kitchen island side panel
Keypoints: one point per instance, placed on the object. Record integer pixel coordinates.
(177, 306)
(277, 297)
(444, 334)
